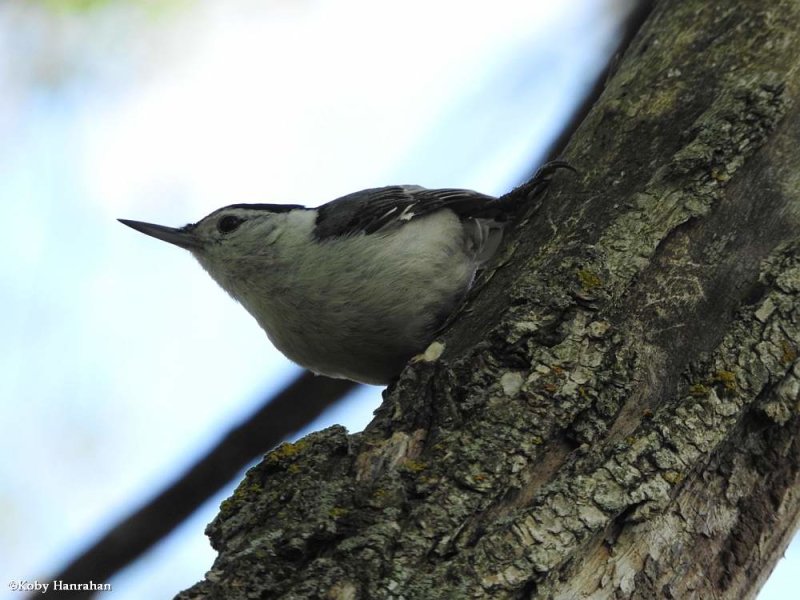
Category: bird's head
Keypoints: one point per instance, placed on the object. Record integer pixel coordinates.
(232, 242)
(236, 230)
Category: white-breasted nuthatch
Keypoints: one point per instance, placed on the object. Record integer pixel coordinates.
(354, 288)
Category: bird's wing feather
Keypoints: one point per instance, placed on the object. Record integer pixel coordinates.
(378, 209)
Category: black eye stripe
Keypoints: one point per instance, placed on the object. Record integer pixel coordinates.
(229, 223)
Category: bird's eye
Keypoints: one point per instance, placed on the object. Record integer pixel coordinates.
(228, 223)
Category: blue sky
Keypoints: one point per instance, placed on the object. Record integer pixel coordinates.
(121, 359)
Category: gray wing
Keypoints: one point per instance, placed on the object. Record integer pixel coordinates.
(379, 209)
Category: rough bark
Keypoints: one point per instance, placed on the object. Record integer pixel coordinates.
(616, 414)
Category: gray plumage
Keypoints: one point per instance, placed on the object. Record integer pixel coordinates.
(356, 287)
(379, 209)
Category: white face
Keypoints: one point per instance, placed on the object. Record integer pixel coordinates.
(237, 243)
(235, 232)
(231, 242)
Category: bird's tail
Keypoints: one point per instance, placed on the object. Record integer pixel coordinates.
(536, 185)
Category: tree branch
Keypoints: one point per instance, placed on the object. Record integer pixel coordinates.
(617, 412)
(291, 410)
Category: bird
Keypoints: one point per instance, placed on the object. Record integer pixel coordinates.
(356, 287)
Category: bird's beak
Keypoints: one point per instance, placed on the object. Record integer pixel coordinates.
(183, 237)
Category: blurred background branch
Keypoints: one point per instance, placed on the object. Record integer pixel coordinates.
(290, 411)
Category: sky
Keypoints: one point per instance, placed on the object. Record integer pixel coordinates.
(121, 359)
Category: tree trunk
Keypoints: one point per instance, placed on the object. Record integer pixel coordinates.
(616, 415)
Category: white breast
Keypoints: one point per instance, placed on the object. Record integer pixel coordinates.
(360, 307)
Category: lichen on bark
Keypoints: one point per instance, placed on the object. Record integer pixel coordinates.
(617, 413)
